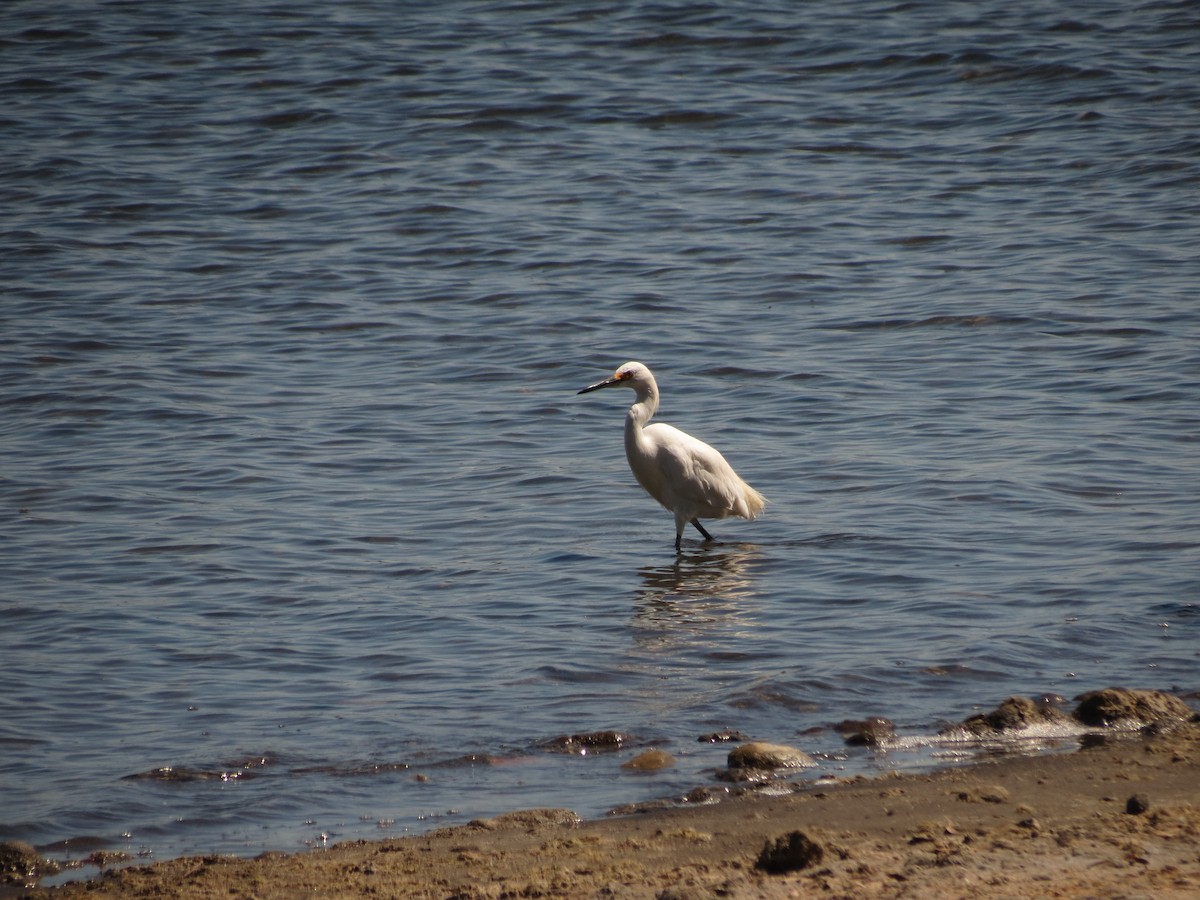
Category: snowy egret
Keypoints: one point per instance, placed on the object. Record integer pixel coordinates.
(685, 475)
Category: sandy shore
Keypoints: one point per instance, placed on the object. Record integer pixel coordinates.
(1121, 819)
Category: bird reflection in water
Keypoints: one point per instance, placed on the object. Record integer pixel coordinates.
(701, 592)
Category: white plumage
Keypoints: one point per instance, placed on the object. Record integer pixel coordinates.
(684, 474)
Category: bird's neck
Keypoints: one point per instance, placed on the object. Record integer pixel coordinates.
(640, 413)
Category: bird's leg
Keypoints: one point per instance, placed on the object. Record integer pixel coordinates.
(700, 528)
(678, 538)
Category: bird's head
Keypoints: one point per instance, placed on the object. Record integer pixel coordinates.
(631, 374)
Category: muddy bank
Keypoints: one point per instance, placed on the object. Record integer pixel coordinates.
(1121, 816)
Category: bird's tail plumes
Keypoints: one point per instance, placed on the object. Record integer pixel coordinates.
(752, 503)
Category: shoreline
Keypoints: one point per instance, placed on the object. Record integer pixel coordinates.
(1121, 816)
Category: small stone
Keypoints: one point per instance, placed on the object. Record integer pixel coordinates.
(866, 732)
(789, 853)
(650, 761)
(1137, 804)
(588, 742)
(1013, 714)
(706, 795)
(727, 736)
(531, 819)
(1120, 705)
(760, 755)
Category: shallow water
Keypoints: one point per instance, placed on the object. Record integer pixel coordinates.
(298, 489)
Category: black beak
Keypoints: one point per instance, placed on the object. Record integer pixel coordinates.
(607, 382)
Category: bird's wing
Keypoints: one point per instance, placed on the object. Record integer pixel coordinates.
(696, 472)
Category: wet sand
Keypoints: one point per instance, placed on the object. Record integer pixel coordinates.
(1121, 819)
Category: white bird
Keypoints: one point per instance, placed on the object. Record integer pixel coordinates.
(684, 474)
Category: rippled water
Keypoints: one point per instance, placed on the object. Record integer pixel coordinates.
(296, 299)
